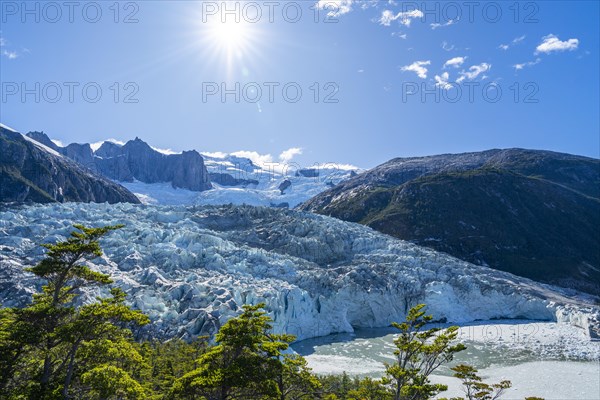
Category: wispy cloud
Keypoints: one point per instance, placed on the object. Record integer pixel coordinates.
(515, 41)
(455, 62)
(399, 35)
(417, 67)
(434, 26)
(11, 55)
(518, 67)
(551, 43)
(446, 46)
(403, 17)
(474, 71)
(8, 51)
(518, 39)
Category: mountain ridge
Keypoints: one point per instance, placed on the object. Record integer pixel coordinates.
(33, 172)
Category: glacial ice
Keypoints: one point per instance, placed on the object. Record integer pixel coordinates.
(191, 268)
(265, 192)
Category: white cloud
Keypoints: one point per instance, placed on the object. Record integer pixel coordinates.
(11, 55)
(504, 46)
(551, 43)
(399, 35)
(442, 81)
(403, 17)
(287, 155)
(434, 26)
(360, 71)
(255, 157)
(474, 71)
(518, 67)
(214, 154)
(57, 142)
(455, 62)
(417, 67)
(2, 41)
(264, 159)
(335, 8)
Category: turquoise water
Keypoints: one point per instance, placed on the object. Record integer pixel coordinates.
(544, 359)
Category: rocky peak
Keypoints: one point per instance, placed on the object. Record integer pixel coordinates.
(81, 153)
(108, 150)
(42, 138)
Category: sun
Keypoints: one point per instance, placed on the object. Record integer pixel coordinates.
(229, 35)
(230, 44)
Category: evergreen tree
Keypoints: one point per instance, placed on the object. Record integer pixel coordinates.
(247, 363)
(418, 353)
(48, 346)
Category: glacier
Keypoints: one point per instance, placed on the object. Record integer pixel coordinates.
(262, 188)
(191, 268)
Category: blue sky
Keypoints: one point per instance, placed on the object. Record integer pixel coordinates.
(162, 66)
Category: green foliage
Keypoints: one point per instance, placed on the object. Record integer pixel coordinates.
(247, 363)
(110, 382)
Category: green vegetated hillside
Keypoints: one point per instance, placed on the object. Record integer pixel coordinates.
(532, 213)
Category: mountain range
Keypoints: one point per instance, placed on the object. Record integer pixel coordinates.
(189, 177)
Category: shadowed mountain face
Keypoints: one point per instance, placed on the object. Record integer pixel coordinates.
(136, 160)
(33, 172)
(531, 213)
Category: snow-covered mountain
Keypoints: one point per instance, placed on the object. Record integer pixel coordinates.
(162, 177)
(191, 268)
(238, 180)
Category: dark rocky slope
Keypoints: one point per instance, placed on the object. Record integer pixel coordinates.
(32, 172)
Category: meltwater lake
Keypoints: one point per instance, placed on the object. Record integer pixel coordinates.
(545, 359)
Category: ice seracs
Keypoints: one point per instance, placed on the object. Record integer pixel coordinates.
(192, 268)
